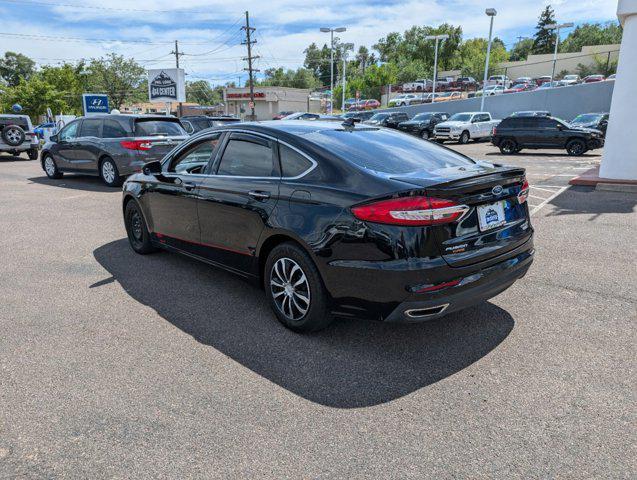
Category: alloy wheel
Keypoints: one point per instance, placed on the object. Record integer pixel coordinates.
(13, 135)
(108, 172)
(290, 288)
(49, 166)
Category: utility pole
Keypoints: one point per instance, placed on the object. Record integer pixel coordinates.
(177, 54)
(249, 58)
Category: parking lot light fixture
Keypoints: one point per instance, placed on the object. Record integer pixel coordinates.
(436, 38)
(557, 27)
(331, 32)
(491, 12)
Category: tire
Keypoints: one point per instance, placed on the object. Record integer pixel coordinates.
(34, 153)
(576, 147)
(13, 135)
(425, 135)
(50, 168)
(109, 173)
(136, 229)
(464, 138)
(508, 146)
(292, 283)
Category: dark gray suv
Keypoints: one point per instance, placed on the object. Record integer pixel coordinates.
(110, 146)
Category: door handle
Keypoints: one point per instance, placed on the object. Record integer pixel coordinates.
(258, 195)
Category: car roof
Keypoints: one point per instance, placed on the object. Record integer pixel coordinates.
(294, 127)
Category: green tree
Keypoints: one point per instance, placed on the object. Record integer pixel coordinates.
(34, 96)
(521, 49)
(544, 41)
(592, 34)
(70, 80)
(15, 67)
(299, 78)
(202, 93)
(473, 53)
(362, 58)
(122, 79)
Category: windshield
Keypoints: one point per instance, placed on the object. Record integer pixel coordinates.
(380, 116)
(460, 117)
(422, 116)
(586, 118)
(386, 151)
(151, 128)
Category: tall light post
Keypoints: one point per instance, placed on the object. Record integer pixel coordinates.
(436, 38)
(556, 27)
(346, 47)
(491, 12)
(331, 32)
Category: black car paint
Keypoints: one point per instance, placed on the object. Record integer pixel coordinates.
(418, 127)
(389, 120)
(370, 270)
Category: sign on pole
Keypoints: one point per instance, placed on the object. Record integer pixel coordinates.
(166, 85)
(94, 103)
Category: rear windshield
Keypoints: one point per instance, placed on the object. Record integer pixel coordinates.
(151, 128)
(380, 116)
(224, 121)
(423, 116)
(387, 151)
(19, 121)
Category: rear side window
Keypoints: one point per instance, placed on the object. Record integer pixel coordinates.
(153, 128)
(90, 128)
(383, 150)
(113, 129)
(544, 122)
(293, 163)
(247, 158)
(512, 122)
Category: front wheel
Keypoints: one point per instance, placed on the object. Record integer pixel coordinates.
(109, 173)
(508, 146)
(464, 138)
(136, 229)
(425, 134)
(50, 168)
(295, 289)
(576, 147)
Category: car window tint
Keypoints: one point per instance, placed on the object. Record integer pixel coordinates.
(292, 162)
(246, 159)
(90, 128)
(195, 159)
(149, 128)
(113, 129)
(383, 150)
(69, 132)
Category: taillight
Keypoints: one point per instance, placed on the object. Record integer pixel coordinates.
(494, 131)
(524, 192)
(136, 144)
(414, 211)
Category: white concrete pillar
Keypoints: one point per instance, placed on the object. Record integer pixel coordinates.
(620, 151)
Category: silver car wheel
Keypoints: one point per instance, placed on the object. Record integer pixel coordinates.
(13, 135)
(108, 172)
(290, 288)
(49, 166)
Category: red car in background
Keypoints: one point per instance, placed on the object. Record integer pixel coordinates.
(365, 105)
(280, 115)
(593, 78)
(521, 87)
(542, 79)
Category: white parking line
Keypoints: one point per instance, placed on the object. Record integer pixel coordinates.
(535, 196)
(544, 189)
(559, 192)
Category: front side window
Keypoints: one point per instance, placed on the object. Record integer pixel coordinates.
(90, 128)
(195, 158)
(247, 158)
(293, 163)
(69, 132)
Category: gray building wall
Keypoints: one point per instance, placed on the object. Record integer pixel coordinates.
(562, 102)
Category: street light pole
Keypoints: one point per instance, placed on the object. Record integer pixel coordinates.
(346, 47)
(556, 27)
(491, 12)
(436, 38)
(331, 31)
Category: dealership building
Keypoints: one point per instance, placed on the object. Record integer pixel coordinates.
(268, 101)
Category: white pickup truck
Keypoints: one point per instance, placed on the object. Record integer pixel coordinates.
(465, 126)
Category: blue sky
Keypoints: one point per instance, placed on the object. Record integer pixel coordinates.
(208, 30)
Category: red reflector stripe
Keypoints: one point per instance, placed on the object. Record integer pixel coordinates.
(439, 286)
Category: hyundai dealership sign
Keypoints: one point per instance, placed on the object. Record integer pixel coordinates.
(94, 103)
(166, 85)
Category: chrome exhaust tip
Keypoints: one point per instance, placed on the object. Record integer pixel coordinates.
(426, 312)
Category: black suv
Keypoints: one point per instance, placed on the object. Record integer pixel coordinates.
(597, 121)
(196, 123)
(423, 124)
(515, 133)
(387, 119)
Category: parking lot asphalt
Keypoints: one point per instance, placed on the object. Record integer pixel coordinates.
(114, 365)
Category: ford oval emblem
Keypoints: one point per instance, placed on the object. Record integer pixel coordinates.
(497, 190)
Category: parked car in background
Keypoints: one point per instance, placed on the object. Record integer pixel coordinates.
(418, 85)
(447, 97)
(465, 126)
(429, 97)
(405, 99)
(546, 85)
(612, 76)
(523, 80)
(531, 113)
(422, 125)
(515, 133)
(490, 90)
(359, 116)
(520, 87)
(40, 129)
(370, 104)
(597, 121)
(350, 102)
(571, 80)
(464, 83)
(593, 78)
(280, 115)
(387, 119)
(501, 80)
(301, 116)
(542, 79)
(196, 123)
(414, 231)
(17, 136)
(110, 146)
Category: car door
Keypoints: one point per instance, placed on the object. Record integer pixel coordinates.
(172, 197)
(238, 198)
(63, 150)
(551, 134)
(87, 145)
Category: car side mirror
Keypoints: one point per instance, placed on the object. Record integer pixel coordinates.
(152, 168)
(54, 138)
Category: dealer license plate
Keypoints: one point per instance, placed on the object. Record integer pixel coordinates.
(491, 216)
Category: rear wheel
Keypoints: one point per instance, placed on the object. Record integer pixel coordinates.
(295, 289)
(50, 168)
(136, 229)
(13, 135)
(576, 147)
(425, 134)
(464, 137)
(109, 173)
(33, 154)
(508, 146)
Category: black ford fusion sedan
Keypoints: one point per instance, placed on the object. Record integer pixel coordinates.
(337, 219)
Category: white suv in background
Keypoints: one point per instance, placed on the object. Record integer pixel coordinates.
(17, 136)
